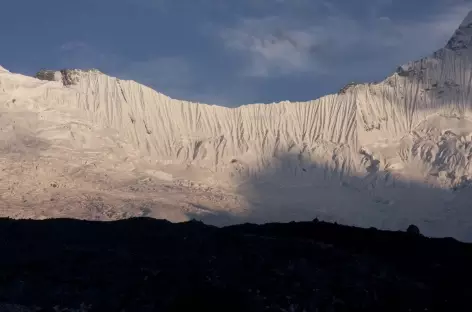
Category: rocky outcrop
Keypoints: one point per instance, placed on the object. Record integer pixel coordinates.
(67, 76)
(49, 75)
(347, 87)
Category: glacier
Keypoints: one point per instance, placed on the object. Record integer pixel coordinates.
(383, 154)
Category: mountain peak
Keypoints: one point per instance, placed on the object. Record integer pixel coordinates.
(462, 38)
(467, 20)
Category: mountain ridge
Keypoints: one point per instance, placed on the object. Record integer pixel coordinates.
(377, 144)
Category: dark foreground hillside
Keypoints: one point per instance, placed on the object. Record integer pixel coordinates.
(152, 265)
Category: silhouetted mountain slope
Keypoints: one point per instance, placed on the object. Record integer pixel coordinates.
(151, 265)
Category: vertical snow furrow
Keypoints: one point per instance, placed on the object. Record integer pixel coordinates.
(362, 115)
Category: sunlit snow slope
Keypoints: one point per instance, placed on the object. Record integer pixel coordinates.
(385, 154)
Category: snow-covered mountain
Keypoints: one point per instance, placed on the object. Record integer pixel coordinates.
(386, 154)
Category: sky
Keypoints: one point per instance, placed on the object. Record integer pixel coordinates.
(228, 52)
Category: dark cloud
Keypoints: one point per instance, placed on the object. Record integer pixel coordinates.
(330, 44)
(230, 52)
